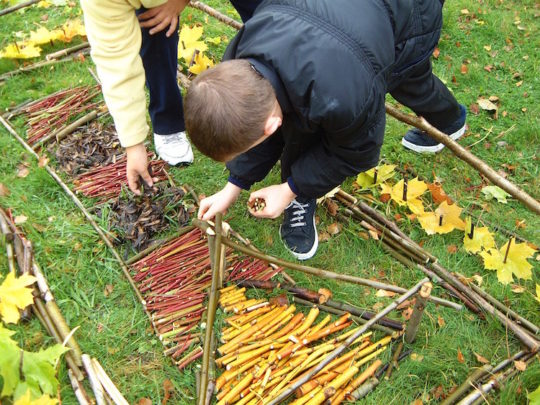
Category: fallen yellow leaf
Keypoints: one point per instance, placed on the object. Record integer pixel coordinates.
(444, 220)
(509, 260)
(14, 295)
(477, 238)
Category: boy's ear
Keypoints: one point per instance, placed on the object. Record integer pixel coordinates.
(271, 125)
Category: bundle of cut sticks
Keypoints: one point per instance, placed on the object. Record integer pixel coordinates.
(269, 345)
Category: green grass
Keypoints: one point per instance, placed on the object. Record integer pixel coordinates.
(114, 329)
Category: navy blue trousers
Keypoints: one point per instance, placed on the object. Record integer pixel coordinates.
(159, 54)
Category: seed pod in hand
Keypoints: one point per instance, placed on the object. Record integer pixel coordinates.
(257, 204)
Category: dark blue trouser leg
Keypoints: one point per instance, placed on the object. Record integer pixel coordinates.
(160, 60)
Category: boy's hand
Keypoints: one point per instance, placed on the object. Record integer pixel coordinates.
(137, 165)
(161, 17)
(276, 199)
(218, 202)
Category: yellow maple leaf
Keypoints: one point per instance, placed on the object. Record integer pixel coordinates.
(43, 36)
(509, 261)
(26, 399)
(44, 4)
(15, 295)
(71, 29)
(189, 42)
(20, 50)
(201, 63)
(415, 188)
(445, 219)
(374, 176)
(477, 238)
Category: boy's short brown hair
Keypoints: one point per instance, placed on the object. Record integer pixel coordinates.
(226, 108)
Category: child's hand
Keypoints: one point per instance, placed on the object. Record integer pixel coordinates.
(162, 17)
(218, 202)
(137, 165)
(276, 199)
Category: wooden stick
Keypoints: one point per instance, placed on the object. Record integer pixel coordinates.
(336, 311)
(307, 376)
(418, 311)
(520, 333)
(305, 269)
(94, 381)
(78, 389)
(211, 313)
(219, 251)
(216, 14)
(107, 383)
(67, 51)
(35, 66)
(466, 156)
(471, 380)
(17, 7)
(503, 308)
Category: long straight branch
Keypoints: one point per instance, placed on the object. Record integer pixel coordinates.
(462, 153)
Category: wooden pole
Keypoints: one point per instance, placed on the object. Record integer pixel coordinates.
(471, 380)
(216, 14)
(17, 7)
(67, 51)
(463, 154)
(418, 311)
(340, 349)
(211, 314)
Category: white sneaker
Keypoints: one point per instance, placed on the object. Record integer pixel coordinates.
(174, 148)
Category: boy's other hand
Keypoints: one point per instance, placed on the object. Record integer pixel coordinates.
(163, 17)
(137, 165)
(276, 199)
(218, 202)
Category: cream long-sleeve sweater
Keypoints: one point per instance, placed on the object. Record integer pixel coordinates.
(115, 39)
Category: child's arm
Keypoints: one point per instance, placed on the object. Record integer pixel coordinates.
(218, 202)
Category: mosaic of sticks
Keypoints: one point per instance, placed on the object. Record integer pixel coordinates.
(174, 280)
(269, 345)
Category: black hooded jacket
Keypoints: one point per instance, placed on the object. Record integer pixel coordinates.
(331, 62)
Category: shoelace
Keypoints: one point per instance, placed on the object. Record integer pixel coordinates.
(298, 214)
(171, 139)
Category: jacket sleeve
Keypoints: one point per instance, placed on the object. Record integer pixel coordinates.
(339, 155)
(253, 165)
(115, 39)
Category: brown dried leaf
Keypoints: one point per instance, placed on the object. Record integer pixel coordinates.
(334, 229)
(464, 69)
(378, 306)
(363, 235)
(436, 52)
(517, 289)
(324, 237)
(407, 313)
(373, 234)
(4, 191)
(168, 389)
(385, 198)
(460, 357)
(43, 160)
(481, 359)
(438, 194)
(404, 304)
(440, 321)
(384, 293)
(417, 401)
(520, 365)
(108, 290)
(486, 105)
(474, 108)
(452, 249)
(332, 207)
(144, 401)
(23, 171)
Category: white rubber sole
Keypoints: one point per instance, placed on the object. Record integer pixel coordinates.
(312, 251)
(431, 149)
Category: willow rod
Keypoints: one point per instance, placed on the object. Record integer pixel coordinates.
(463, 154)
(340, 349)
(17, 7)
(211, 314)
(216, 14)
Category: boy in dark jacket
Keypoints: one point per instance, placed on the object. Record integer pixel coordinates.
(305, 82)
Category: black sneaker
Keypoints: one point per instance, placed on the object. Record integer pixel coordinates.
(298, 230)
(421, 142)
